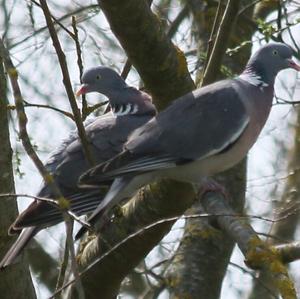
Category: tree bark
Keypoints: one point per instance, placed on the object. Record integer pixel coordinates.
(161, 65)
(158, 203)
(20, 272)
(288, 205)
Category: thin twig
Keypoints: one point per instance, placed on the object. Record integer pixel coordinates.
(219, 49)
(177, 21)
(74, 266)
(65, 113)
(282, 101)
(254, 276)
(51, 202)
(23, 134)
(67, 82)
(56, 21)
(279, 19)
(246, 7)
(66, 16)
(260, 39)
(212, 35)
(13, 76)
(150, 226)
(63, 268)
(126, 69)
(285, 13)
(84, 108)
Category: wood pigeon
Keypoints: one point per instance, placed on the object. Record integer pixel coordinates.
(202, 133)
(107, 134)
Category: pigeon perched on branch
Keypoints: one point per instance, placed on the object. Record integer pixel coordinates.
(202, 133)
(107, 134)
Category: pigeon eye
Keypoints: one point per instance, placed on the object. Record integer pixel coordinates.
(275, 52)
(98, 77)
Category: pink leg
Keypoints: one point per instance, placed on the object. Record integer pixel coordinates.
(210, 185)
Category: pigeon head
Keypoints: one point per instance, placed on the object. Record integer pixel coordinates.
(268, 61)
(101, 79)
(123, 99)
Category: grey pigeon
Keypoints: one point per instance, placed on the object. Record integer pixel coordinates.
(202, 133)
(107, 134)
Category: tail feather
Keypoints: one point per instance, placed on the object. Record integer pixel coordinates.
(15, 250)
(102, 172)
(112, 198)
(43, 214)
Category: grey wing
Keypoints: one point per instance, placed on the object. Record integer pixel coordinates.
(107, 136)
(200, 124)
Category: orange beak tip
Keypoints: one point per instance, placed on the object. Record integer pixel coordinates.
(82, 90)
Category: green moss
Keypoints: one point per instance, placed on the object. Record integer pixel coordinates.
(10, 107)
(262, 256)
(22, 117)
(12, 72)
(48, 179)
(286, 288)
(63, 203)
(182, 64)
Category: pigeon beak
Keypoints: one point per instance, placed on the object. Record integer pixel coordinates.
(292, 64)
(82, 90)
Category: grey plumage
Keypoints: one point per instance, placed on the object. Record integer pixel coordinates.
(106, 135)
(200, 134)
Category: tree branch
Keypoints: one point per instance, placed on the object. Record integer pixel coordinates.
(22, 120)
(150, 206)
(8, 208)
(215, 60)
(67, 82)
(160, 64)
(257, 253)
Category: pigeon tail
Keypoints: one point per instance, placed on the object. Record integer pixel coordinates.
(43, 214)
(114, 196)
(15, 250)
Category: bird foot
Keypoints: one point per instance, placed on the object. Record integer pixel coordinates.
(210, 185)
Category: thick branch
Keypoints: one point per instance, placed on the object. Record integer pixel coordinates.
(8, 208)
(149, 206)
(161, 65)
(201, 260)
(258, 255)
(289, 252)
(22, 121)
(215, 60)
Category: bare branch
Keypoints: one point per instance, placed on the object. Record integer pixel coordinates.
(289, 252)
(9, 210)
(223, 34)
(22, 119)
(67, 82)
(65, 113)
(80, 65)
(257, 253)
(50, 201)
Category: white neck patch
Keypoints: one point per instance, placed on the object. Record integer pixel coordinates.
(253, 79)
(125, 109)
